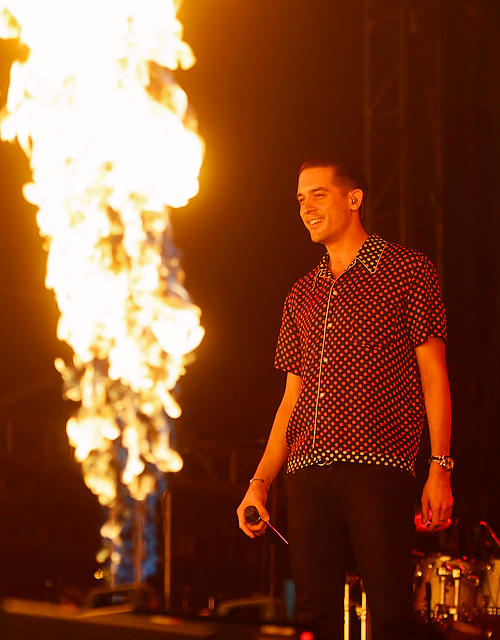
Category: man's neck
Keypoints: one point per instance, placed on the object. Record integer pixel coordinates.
(343, 253)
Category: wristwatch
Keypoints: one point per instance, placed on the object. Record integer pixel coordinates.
(446, 462)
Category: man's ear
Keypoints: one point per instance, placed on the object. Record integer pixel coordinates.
(355, 199)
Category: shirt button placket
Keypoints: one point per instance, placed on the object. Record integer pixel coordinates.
(316, 453)
(335, 293)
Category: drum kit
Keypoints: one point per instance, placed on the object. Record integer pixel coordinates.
(455, 596)
(458, 593)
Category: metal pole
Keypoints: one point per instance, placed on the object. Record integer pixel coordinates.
(167, 580)
(346, 611)
(139, 540)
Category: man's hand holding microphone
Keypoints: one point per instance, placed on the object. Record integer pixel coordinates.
(253, 517)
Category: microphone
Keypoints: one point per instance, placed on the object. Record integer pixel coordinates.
(252, 516)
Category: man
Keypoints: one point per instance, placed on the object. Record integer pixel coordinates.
(362, 343)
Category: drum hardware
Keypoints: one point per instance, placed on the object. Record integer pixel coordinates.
(445, 572)
(446, 589)
(347, 612)
(459, 595)
(362, 611)
(363, 616)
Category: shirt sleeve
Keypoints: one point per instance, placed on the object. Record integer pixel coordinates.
(426, 316)
(288, 352)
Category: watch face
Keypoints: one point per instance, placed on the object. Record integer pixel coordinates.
(448, 463)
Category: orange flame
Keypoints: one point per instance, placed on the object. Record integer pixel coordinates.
(112, 146)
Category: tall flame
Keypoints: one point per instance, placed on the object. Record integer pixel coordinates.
(112, 146)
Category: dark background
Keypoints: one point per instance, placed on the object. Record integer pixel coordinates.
(273, 80)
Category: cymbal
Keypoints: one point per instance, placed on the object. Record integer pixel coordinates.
(425, 528)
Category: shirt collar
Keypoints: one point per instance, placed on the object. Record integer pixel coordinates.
(370, 253)
(369, 256)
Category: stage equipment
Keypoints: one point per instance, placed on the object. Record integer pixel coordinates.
(355, 602)
(453, 588)
(26, 620)
(489, 590)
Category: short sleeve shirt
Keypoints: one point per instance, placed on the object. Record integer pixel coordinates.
(352, 340)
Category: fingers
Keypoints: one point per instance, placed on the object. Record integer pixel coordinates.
(437, 521)
(252, 530)
(441, 512)
(425, 512)
(259, 529)
(437, 501)
(438, 517)
(255, 497)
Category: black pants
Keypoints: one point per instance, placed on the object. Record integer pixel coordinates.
(373, 507)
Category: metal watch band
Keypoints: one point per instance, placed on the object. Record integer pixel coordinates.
(446, 462)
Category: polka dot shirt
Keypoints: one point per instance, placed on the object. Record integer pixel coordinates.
(352, 340)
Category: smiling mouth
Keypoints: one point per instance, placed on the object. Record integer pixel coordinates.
(314, 222)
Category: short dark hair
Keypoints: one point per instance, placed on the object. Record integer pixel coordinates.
(346, 171)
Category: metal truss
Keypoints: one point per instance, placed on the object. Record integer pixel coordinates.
(402, 122)
(220, 462)
(42, 495)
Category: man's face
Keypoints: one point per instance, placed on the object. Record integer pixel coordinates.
(324, 207)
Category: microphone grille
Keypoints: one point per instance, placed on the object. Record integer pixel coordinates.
(251, 515)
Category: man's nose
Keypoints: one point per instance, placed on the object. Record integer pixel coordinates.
(307, 205)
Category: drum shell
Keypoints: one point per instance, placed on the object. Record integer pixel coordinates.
(488, 601)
